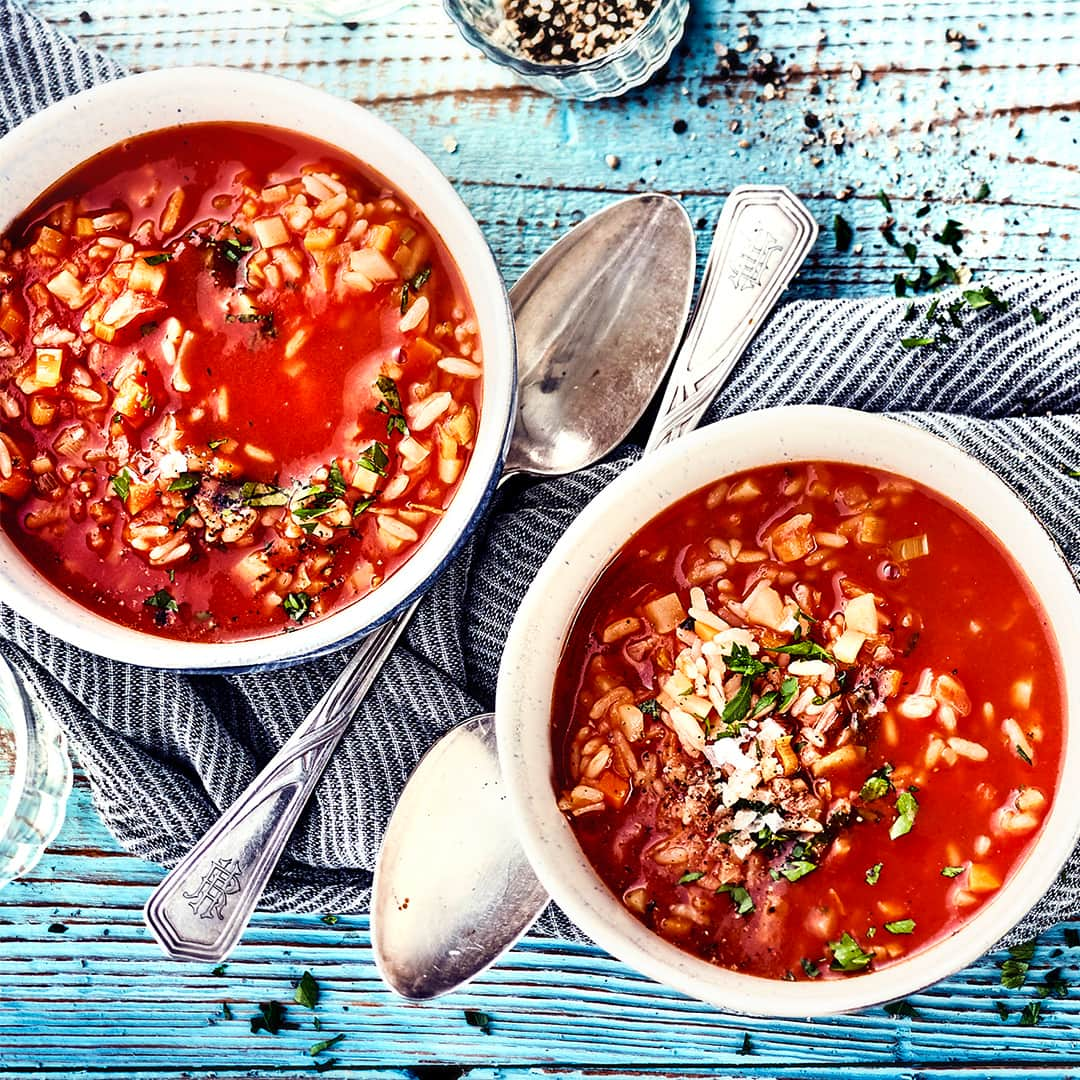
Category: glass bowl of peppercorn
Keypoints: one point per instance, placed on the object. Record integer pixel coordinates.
(583, 49)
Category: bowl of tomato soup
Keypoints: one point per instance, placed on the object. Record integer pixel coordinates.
(784, 720)
(256, 370)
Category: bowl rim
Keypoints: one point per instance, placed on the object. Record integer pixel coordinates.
(523, 699)
(98, 118)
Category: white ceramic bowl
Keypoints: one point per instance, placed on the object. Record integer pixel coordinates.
(48, 145)
(772, 436)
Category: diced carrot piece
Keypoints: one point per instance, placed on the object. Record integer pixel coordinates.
(11, 319)
(616, 790)
(42, 411)
(423, 351)
(380, 237)
(140, 496)
(51, 241)
(792, 539)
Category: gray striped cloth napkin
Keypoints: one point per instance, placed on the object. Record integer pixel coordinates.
(165, 753)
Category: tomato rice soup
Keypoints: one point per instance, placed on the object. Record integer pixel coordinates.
(240, 379)
(808, 721)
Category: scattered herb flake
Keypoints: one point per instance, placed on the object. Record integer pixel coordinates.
(1072, 937)
(983, 192)
(951, 236)
(922, 211)
(218, 971)
(746, 1047)
(121, 483)
(691, 875)
(1002, 1009)
(297, 605)
(1054, 985)
(906, 808)
(417, 282)
(977, 299)
(884, 200)
(1031, 1014)
(877, 784)
(951, 871)
(375, 458)
(185, 481)
(477, 1019)
(789, 690)
(162, 600)
(226, 1012)
(811, 969)
(917, 342)
(911, 251)
(793, 871)
(848, 954)
(157, 260)
(650, 707)
(741, 900)
(901, 1009)
(901, 926)
(271, 1018)
(843, 233)
(307, 991)
(57, 928)
(1023, 754)
(319, 1047)
(873, 875)
(1037, 317)
(1014, 970)
(805, 649)
(330, 920)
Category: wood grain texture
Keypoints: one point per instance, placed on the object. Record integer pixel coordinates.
(928, 124)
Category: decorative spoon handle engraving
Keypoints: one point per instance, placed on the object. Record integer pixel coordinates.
(762, 237)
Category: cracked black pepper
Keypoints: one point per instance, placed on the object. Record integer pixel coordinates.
(571, 32)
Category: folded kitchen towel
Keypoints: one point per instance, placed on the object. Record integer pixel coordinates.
(165, 752)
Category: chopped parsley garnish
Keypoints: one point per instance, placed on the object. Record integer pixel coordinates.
(764, 703)
(917, 342)
(741, 900)
(983, 192)
(1031, 1014)
(1037, 317)
(877, 785)
(361, 505)
(271, 1018)
(319, 1047)
(157, 260)
(185, 481)
(404, 299)
(1002, 1009)
(901, 1008)
(911, 251)
(162, 601)
(977, 299)
(789, 688)
(1023, 754)
(215, 443)
(806, 649)
(1054, 985)
(253, 494)
(391, 406)
(798, 869)
(922, 211)
(951, 871)
(811, 969)
(951, 235)
(843, 233)
(296, 605)
(884, 200)
(335, 484)
(741, 662)
(375, 458)
(330, 920)
(307, 991)
(690, 876)
(232, 250)
(736, 709)
(848, 954)
(121, 483)
(906, 808)
(874, 874)
(264, 320)
(1014, 971)
(650, 707)
(901, 926)
(477, 1019)
(219, 970)
(420, 279)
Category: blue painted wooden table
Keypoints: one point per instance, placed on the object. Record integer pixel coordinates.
(968, 108)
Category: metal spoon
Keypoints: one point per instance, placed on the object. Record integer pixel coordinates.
(598, 318)
(453, 890)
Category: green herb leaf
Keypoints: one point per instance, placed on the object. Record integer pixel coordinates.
(906, 808)
(977, 299)
(219, 970)
(417, 282)
(922, 211)
(336, 482)
(157, 260)
(877, 784)
(1031, 1014)
(736, 709)
(764, 703)
(404, 306)
(1037, 317)
(811, 969)
(307, 991)
(390, 394)
(789, 689)
(983, 192)
(181, 518)
(884, 200)
(161, 600)
(1054, 985)
(375, 458)
(226, 1012)
(691, 875)
(186, 481)
(798, 869)
(741, 662)
(917, 342)
(848, 954)
(746, 1047)
(330, 920)
(911, 251)
(297, 605)
(319, 1047)
(843, 233)
(1022, 754)
(901, 1009)
(1014, 970)
(477, 1019)
(951, 871)
(252, 494)
(121, 483)
(1002, 1009)
(57, 928)
(901, 926)
(650, 707)
(900, 285)
(271, 1018)
(806, 649)
(873, 875)
(741, 900)
(215, 443)
(951, 235)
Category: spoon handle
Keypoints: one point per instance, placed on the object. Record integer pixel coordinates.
(203, 904)
(763, 236)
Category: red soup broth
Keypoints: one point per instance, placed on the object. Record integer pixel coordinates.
(808, 721)
(240, 379)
